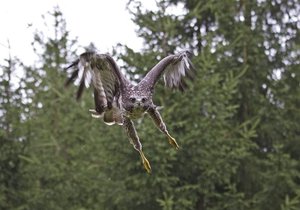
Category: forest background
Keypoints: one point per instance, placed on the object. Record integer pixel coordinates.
(237, 125)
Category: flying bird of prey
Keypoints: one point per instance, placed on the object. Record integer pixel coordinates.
(119, 101)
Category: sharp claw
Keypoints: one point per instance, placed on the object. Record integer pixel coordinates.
(145, 162)
(173, 142)
(95, 114)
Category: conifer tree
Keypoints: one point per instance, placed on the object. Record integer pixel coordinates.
(12, 141)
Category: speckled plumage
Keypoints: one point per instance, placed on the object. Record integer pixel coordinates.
(118, 101)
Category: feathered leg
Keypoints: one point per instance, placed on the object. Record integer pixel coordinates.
(134, 139)
(156, 117)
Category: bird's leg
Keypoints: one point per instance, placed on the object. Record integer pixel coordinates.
(134, 140)
(156, 117)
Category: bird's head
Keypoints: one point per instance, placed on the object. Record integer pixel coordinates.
(137, 99)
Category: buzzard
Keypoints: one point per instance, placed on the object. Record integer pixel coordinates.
(119, 101)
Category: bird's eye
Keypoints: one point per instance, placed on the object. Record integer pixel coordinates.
(144, 100)
(132, 99)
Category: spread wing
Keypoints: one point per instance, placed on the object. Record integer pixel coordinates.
(174, 68)
(102, 72)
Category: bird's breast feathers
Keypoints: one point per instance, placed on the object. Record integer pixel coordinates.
(136, 113)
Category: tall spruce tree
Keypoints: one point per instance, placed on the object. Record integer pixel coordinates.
(12, 141)
(66, 158)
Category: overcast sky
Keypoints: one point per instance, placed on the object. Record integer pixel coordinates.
(103, 22)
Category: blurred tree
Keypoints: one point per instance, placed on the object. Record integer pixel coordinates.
(64, 161)
(12, 142)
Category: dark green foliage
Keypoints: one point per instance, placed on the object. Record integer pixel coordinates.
(237, 125)
(231, 124)
(11, 135)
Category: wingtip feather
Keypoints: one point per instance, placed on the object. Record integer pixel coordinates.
(180, 71)
(72, 78)
(80, 90)
(75, 63)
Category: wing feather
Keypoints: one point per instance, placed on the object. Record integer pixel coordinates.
(174, 68)
(100, 71)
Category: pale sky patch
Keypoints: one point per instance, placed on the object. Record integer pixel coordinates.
(105, 23)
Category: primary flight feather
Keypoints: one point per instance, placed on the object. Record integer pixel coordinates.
(118, 101)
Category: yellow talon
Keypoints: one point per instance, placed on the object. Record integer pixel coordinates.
(145, 162)
(173, 142)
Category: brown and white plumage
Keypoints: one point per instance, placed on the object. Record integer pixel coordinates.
(102, 72)
(174, 68)
(119, 101)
